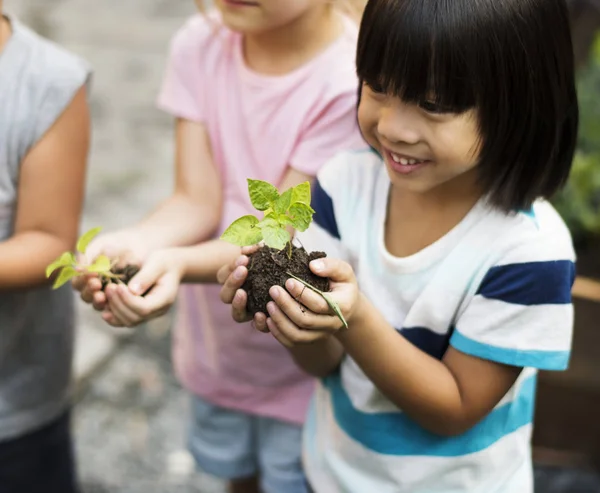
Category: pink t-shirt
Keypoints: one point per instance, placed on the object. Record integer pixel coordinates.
(259, 126)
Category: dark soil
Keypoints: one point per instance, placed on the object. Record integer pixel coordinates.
(269, 267)
(126, 274)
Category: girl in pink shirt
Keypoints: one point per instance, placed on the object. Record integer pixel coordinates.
(260, 89)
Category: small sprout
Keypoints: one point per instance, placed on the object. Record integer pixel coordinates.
(70, 268)
(292, 207)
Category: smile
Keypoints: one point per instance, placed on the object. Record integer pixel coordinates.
(405, 161)
(404, 164)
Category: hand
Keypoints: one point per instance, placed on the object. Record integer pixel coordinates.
(301, 316)
(125, 245)
(232, 277)
(161, 274)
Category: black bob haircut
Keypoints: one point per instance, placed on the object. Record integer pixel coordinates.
(511, 60)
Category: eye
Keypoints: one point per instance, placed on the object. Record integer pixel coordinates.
(432, 107)
(375, 87)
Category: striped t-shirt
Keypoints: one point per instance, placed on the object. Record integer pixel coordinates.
(497, 287)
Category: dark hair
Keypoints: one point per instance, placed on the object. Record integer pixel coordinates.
(511, 60)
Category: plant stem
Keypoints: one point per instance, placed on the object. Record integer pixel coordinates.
(332, 304)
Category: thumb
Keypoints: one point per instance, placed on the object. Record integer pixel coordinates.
(335, 269)
(147, 276)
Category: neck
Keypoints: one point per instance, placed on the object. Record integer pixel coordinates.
(416, 220)
(458, 194)
(288, 47)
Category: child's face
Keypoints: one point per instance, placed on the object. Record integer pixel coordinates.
(422, 149)
(257, 16)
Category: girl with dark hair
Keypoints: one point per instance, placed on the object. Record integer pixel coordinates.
(448, 263)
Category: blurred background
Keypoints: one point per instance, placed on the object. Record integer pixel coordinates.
(130, 413)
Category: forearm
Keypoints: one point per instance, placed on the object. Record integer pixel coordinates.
(422, 386)
(320, 358)
(179, 221)
(25, 256)
(200, 263)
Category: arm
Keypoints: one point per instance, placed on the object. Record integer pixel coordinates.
(50, 195)
(165, 269)
(446, 397)
(190, 215)
(320, 358)
(193, 212)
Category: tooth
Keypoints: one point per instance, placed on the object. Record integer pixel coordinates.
(403, 161)
(395, 158)
(412, 161)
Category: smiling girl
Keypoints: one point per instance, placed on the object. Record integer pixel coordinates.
(450, 266)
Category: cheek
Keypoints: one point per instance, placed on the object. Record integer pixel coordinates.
(461, 139)
(367, 116)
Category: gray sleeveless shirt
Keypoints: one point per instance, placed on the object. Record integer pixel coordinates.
(38, 80)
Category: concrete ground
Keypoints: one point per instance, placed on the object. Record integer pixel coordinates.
(131, 414)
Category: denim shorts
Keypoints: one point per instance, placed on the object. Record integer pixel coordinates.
(235, 445)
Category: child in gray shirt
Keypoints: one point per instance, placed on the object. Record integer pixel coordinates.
(44, 140)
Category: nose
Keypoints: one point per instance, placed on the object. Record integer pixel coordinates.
(397, 123)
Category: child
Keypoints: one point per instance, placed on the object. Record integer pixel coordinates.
(464, 269)
(44, 134)
(267, 90)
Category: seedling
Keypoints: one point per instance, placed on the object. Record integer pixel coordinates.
(71, 268)
(291, 208)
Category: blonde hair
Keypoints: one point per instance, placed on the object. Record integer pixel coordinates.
(352, 8)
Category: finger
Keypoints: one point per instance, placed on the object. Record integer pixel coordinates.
(289, 329)
(80, 282)
(92, 286)
(140, 308)
(99, 301)
(249, 250)
(260, 322)
(233, 283)
(299, 315)
(119, 309)
(272, 327)
(307, 297)
(110, 319)
(335, 269)
(225, 271)
(146, 277)
(238, 307)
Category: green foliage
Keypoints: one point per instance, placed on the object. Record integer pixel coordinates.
(70, 268)
(579, 202)
(292, 207)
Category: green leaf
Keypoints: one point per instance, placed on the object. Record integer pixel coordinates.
(86, 238)
(65, 259)
(101, 265)
(243, 232)
(275, 236)
(301, 193)
(302, 215)
(284, 220)
(284, 201)
(66, 274)
(262, 194)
